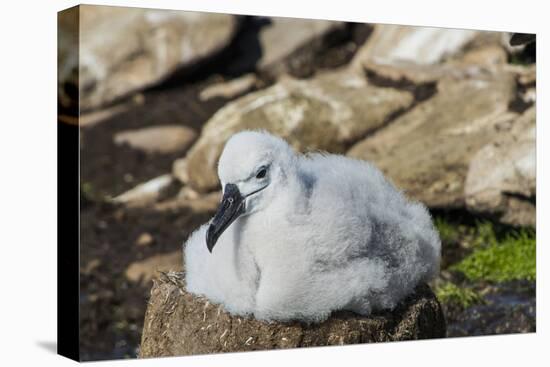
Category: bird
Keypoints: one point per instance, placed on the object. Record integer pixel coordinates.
(299, 236)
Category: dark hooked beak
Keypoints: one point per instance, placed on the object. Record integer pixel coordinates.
(230, 208)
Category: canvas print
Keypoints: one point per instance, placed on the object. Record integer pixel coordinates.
(242, 183)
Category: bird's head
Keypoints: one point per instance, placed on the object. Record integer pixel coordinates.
(253, 167)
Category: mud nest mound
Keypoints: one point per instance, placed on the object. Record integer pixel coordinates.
(179, 323)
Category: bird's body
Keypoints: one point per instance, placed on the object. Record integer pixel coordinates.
(326, 233)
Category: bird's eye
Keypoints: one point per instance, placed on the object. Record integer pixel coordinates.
(261, 173)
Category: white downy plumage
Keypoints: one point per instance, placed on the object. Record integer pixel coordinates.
(297, 237)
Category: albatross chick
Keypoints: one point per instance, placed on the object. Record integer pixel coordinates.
(297, 236)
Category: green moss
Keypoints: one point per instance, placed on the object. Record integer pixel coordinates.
(448, 232)
(87, 191)
(484, 235)
(511, 258)
(451, 294)
(86, 188)
(470, 235)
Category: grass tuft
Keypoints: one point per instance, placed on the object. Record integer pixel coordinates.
(451, 294)
(511, 258)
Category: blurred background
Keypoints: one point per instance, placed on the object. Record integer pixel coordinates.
(448, 115)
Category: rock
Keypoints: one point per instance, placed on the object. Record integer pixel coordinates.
(529, 96)
(405, 71)
(126, 49)
(471, 64)
(187, 192)
(282, 38)
(190, 199)
(527, 80)
(145, 270)
(230, 89)
(421, 45)
(527, 75)
(145, 193)
(329, 112)
(95, 117)
(158, 139)
(489, 56)
(90, 267)
(67, 55)
(497, 316)
(178, 323)
(179, 170)
(92, 118)
(427, 151)
(501, 178)
(144, 240)
(519, 44)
